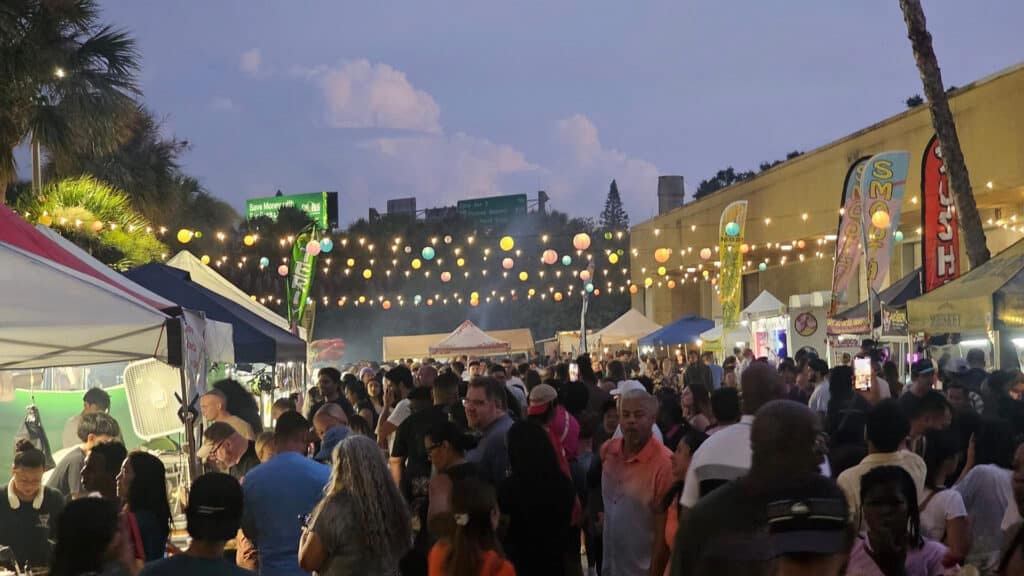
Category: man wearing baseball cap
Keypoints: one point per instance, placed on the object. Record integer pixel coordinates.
(562, 427)
(214, 513)
(923, 376)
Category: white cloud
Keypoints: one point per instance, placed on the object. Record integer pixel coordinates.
(223, 104)
(582, 169)
(361, 94)
(443, 169)
(251, 61)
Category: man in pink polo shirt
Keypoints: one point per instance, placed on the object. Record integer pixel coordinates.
(637, 472)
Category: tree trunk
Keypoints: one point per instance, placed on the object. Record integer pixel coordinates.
(945, 129)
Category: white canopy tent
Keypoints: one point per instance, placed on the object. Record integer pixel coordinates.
(216, 335)
(470, 340)
(209, 278)
(626, 329)
(718, 340)
(764, 306)
(54, 316)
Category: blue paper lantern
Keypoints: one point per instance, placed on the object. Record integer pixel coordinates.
(566, 260)
(762, 266)
(427, 253)
(589, 287)
(732, 229)
(326, 245)
(264, 262)
(898, 236)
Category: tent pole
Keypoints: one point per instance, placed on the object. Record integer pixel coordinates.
(190, 429)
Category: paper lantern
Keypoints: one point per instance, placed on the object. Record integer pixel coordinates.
(531, 292)
(607, 235)
(589, 287)
(801, 244)
(446, 276)
(416, 263)
(613, 258)
(264, 262)
(597, 291)
(252, 297)
(473, 303)
(386, 305)
(367, 273)
(732, 229)
(427, 253)
(350, 262)
(662, 271)
(460, 262)
(585, 275)
(671, 284)
(558, 296)
(523, 276)
(705, 253)
(898, 236)
(474, 296)
(185, 235)
(633, 289)
(581, 241)
(762, 266)
(881, 219)
(507, 243)
(97, 226)
(705, 274)
(407, 249)
(447, 239)
(648, 282)
(248, 239)
(326, 245)
(205, 259)
(661, 255)
(46, 220)
(549, 256)
(417, 299)
(508, 263)
(744, 248)
(362, 299)
(282, 270)
(566, 260)
(312, 248)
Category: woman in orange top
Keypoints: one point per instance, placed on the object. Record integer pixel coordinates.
(473, 548)
(692, 439)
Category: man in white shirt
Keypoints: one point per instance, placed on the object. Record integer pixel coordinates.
(819, 377)
(401, 378)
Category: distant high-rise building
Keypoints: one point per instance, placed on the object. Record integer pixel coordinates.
(402, 206)
(671, 193)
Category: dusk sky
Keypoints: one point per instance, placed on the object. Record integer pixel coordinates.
(446, 100)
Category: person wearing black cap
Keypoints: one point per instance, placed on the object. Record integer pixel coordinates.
(809, 531)
(923, 375)
(214, 513)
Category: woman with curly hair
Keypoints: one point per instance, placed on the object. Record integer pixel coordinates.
(362, 525)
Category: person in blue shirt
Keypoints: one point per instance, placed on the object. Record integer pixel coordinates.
(280, 494)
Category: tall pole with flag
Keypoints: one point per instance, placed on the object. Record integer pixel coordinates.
(730, 237)
(301, 270)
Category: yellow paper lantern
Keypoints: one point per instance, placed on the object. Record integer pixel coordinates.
(367, 273)
(416, 263)
(881, 219)
(248, 239)
(648, 282)
(507, 243)
(613, 258)
(661, 255)
(460, 262)
(523, 276)
(558, 296)
(350, 262)
(46, 220)
(185, 235)
(252, 297)
(474, 296)
(362, 299)
(531, 292)
(662, 271)
(205, 259)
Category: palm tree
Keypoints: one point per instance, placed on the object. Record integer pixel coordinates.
(65, 80)
(945, 129)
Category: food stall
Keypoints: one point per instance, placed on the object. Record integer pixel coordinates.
(768, 323)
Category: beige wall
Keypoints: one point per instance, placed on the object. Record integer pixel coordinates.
(990, 123)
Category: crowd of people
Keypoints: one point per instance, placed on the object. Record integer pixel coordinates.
(615, 466)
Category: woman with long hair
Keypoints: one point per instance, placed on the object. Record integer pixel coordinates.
(142, 488)
(681, 457)
(88, 539)
(943, 515)
(892, 542)
(538, 497)
(376, 392)
(241, 403)
(446, 448)
(362, 525)
(357, 395)
(472, 549)
(696, 403)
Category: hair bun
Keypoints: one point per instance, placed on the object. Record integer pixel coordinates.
(24, 445)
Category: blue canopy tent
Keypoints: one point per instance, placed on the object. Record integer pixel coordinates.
(255, 339)
(685, 330)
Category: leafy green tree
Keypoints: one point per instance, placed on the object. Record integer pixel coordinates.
(722, 179)
(914, 101)
(66, 79)
(614, 215)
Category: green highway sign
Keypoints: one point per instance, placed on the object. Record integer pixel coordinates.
(315, 205)
(493, 211)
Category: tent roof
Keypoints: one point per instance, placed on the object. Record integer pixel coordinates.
(208, 278)
(255, 339)
(52, 315)
(967, 304)
(520, 341)
(895, 296)
(15, 231)
(738, 334)
(685, 330)
(468, 339)
(765, 305)
(629, 327)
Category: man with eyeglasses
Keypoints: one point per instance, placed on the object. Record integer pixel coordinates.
(228, 450)
(487, 413)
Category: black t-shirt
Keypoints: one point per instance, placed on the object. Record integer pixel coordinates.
(340, 401)
(67, 476)
(540, 515)
(409, 446)
(249, 461)
(27, 531)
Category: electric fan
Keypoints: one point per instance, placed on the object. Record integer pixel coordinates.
(151, 386)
